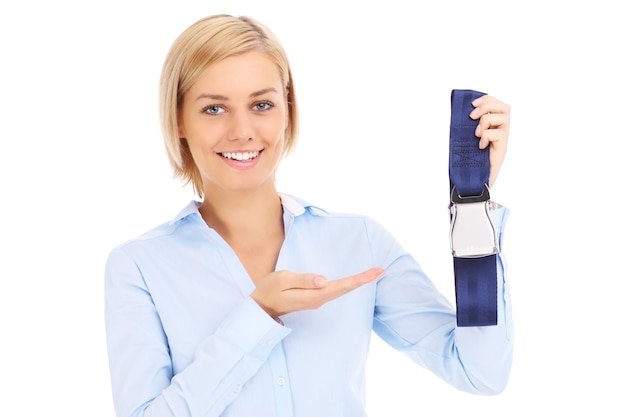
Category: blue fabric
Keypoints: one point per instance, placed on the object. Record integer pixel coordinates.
(476, 290)
(186, 339)
(469, 167)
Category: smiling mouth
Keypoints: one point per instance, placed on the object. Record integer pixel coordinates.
(240, 156)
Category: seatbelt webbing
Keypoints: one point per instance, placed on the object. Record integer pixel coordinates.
(475, 277)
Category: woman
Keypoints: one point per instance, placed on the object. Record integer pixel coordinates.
(252, 302)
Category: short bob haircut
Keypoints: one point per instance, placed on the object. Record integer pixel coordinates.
(205, 43)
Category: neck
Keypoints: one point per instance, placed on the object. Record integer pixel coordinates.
(241, 214)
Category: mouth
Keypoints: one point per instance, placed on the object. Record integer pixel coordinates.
(240, 156)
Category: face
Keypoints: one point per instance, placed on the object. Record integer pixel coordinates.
(234, 119)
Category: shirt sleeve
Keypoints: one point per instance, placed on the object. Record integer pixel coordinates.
(415, 318)
(142, 378)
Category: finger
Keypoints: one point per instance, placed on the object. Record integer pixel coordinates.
(342, 286)
(497, 138)
(284, 291)
(492, 121)
(488, 104)
(291, 281)
(299, 291)
(492, 129)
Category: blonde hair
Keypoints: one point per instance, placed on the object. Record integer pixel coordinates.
(205, 43)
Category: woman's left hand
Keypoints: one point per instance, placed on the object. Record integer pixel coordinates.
(493, 130)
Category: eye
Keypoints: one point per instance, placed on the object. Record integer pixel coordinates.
(213, 109)
(263, 106)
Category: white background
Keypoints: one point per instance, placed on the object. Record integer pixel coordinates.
(83, 168)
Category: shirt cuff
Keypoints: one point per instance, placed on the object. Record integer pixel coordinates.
(249, 324)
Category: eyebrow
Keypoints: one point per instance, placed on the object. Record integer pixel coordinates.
(224, 98)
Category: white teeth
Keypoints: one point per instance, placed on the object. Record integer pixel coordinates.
(240, 156)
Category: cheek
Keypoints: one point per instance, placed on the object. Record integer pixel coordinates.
(276, 127)
(200, 147)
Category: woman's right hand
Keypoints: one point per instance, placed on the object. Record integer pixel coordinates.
(283, 292)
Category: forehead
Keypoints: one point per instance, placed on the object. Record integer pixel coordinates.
(247, 72)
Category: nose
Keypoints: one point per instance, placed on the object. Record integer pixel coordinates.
(240, 126)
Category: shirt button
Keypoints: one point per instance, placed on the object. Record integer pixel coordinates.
(280, 381)
(270, 342)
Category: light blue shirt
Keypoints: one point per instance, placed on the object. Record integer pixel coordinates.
(186, 339)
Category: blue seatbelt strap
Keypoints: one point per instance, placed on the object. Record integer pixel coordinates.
(473, 238)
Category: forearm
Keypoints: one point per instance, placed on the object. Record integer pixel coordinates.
(415, 318)
(486, 351)
(145, 380)
(224, 363)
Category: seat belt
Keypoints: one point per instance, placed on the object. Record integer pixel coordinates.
(473, 237)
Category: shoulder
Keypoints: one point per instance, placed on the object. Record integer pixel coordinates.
(168, 230)
(338, 232)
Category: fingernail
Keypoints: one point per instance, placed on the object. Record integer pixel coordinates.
(319, 281)
(477, 102)
(478, 131)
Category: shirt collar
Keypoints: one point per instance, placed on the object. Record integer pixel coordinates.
(297, 206)
(292, 205)
(190, 210)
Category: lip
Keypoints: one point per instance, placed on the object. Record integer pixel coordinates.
(237, 164)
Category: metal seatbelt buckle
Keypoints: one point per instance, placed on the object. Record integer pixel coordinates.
(472, 232)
